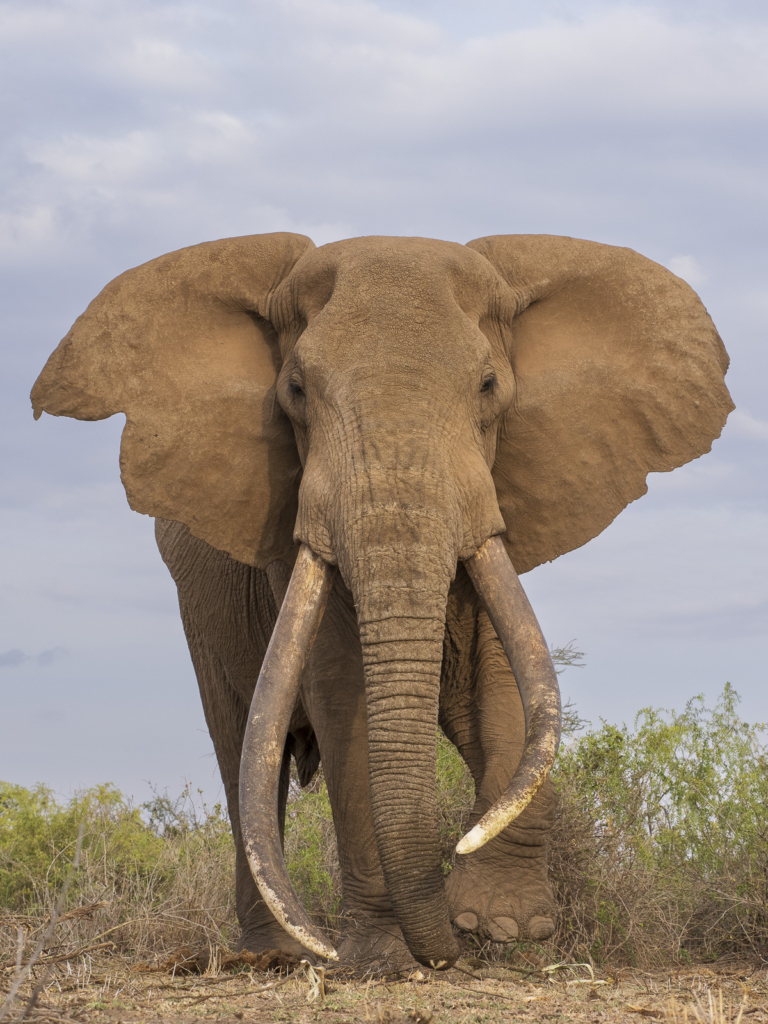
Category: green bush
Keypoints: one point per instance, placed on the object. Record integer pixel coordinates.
(662, 845)
(38, 835)
(310, 852)
(455, 797)
(145, 884)
(689, 788)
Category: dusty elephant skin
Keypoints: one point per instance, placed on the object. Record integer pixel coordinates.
(392, 411)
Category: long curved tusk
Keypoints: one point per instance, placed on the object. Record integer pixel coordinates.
(510, 612)
(264, 743)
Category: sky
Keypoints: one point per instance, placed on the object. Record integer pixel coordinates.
(132, 128)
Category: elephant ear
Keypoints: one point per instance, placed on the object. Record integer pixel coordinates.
(182, 346)
(619, 373)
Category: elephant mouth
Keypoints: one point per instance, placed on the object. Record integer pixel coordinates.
(510, 612)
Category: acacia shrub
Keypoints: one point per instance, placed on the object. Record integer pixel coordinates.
(146, 881)
(311, 854)
(661, 847)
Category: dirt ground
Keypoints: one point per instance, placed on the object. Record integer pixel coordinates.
(99, 988)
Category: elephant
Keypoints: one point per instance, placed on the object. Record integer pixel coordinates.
(352, 452)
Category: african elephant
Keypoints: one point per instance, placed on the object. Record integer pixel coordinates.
(382, 428)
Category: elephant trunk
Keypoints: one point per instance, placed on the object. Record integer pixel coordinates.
(399, 562)
(402, 656)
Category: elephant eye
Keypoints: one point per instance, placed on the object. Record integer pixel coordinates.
(295, 388)
(489, 383)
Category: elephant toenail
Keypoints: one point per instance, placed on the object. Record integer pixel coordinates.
(541, 927)
(502, 929)
(467, 922)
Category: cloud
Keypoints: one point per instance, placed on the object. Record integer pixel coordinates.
(25, 233)
(699, 544)
(79, 159)
(745, 425)
(157, 63)
(349, 101)
(687, 268)
(15, 657)
(12, 658)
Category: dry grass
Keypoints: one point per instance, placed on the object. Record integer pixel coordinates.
(100, 988)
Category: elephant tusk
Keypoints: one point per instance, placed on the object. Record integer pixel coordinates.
(271, 709)
(510, 612)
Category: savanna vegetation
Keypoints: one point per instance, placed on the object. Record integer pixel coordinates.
(660, 853)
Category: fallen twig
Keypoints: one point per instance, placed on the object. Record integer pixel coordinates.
(483, 992)
(644, 1011)
(525, 971)
(246, 992)
(62, 957)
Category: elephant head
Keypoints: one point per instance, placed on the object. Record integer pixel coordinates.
(392, 407)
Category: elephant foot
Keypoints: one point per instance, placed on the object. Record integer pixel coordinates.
(373, 946)
(503, 893)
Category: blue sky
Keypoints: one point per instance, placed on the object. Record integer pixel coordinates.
(133, 128)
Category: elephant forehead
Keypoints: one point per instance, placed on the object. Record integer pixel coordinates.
(416, 341)
(395, 276)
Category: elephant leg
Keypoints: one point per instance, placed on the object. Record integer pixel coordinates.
(228, 612)
(226, 715)
(502, 891)
(333, 694)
